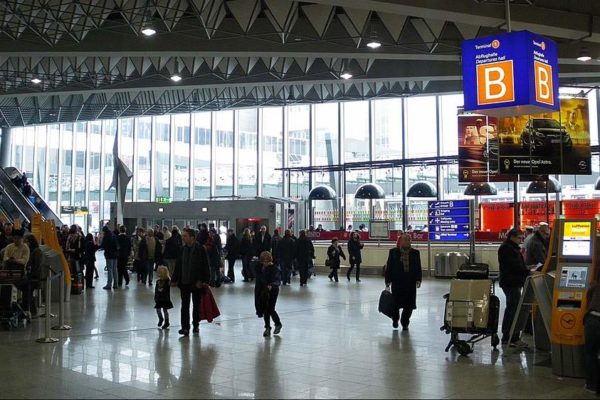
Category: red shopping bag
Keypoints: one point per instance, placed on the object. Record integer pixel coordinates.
(208, 306)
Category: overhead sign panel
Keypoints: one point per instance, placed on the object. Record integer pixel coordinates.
(514, 73)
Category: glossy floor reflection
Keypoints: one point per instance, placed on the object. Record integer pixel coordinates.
(334, 344)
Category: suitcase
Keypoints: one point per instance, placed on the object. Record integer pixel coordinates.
(473, 271)
(77, 283)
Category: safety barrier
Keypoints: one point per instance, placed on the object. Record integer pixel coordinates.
(52, 274)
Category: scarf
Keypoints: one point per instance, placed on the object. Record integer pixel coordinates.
(405, 258)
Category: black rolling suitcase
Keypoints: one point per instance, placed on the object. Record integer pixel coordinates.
(473, 271)
(77, 283)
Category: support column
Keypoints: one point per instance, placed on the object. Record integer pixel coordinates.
(5, 147)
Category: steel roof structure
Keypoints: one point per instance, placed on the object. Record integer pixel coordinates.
(93, 62)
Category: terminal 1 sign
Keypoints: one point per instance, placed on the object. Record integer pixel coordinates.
(514, 73)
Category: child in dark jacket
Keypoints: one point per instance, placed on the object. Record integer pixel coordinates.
(271, 275)
(162, 296)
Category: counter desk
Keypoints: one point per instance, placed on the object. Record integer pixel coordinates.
(374, 255)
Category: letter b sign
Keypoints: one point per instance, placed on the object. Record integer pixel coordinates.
(495, 83)
(544, 90)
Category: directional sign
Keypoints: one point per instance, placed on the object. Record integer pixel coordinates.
(449, 220)
(454, 237)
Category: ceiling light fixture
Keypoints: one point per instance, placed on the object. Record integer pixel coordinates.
(346, 75)
(36, 81)
(584, 55)
(176, 77)
(148, 31)
(374, 44)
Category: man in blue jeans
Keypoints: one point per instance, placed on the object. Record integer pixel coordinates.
(513, 272)
(109, 244)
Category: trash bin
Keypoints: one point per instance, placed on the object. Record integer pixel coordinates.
(441, 265)
(455, 260)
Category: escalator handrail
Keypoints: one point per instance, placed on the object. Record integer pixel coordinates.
(48, 213)
(10, 186)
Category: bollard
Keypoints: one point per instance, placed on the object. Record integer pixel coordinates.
(47, 338)
(61, 305)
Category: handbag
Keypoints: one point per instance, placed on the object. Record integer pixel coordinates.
(327, 262)
(387, 303)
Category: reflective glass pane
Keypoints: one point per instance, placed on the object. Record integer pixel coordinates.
(298, 147)
(202, 138)
(144, 157)
(162, 176)
(272, 151)
(181, 129)
(387, 129)
(421, 127)
(449, 126)
(248, 164)
(224, 153)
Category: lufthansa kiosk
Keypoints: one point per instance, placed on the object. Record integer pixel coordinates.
(575, 271)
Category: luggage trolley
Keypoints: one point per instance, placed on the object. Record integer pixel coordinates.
(471, 308)
(11, 312)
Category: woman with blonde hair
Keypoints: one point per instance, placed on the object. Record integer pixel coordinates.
(162, 296)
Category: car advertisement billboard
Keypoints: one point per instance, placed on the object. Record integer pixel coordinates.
(548, 143)
(477, 148)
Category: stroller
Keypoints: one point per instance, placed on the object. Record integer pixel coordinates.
(472, 308)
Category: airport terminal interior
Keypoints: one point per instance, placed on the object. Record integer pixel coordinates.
(331, 165)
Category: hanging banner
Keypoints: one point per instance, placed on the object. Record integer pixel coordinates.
(514, 73)
(477, 148)
(549, 143)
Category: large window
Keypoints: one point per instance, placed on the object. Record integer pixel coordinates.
(449, 106)
(298, 148)
(248, 153)
(224, 153)
(387, 129)
(202, 139)
(421, 127)
(162, 154)
(272, 151)
(143, 169)
(240, 151)
(181, 125)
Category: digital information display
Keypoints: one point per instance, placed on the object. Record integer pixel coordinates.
(449, 220)
(577, 241)
(573, 277)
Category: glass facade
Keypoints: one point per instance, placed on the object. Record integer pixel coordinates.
(238, 153)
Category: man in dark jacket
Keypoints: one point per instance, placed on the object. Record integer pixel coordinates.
(124, 243)
(263, 240)
(173, 246)
(286, 252)
(305, 252)
(274, 243)
(232, 247)
(192, 274)
(109, 245)
(202, 234)
(537, 250)
(513, 272)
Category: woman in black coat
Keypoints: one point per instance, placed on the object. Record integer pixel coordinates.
(90, 260)
(354, 251)
(403, 273)
(247, 252)
(232, 247)
(334, 252)
(305, 252)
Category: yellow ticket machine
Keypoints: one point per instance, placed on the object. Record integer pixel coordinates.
(575, 271)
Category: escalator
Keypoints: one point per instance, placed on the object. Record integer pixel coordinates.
(12, 201)
(4, 216)
(35, 201)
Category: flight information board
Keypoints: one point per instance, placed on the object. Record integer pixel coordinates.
(449, 220)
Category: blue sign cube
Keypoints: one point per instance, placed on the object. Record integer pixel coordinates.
(514, 73)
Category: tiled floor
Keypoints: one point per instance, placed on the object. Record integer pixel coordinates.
(333, 344)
